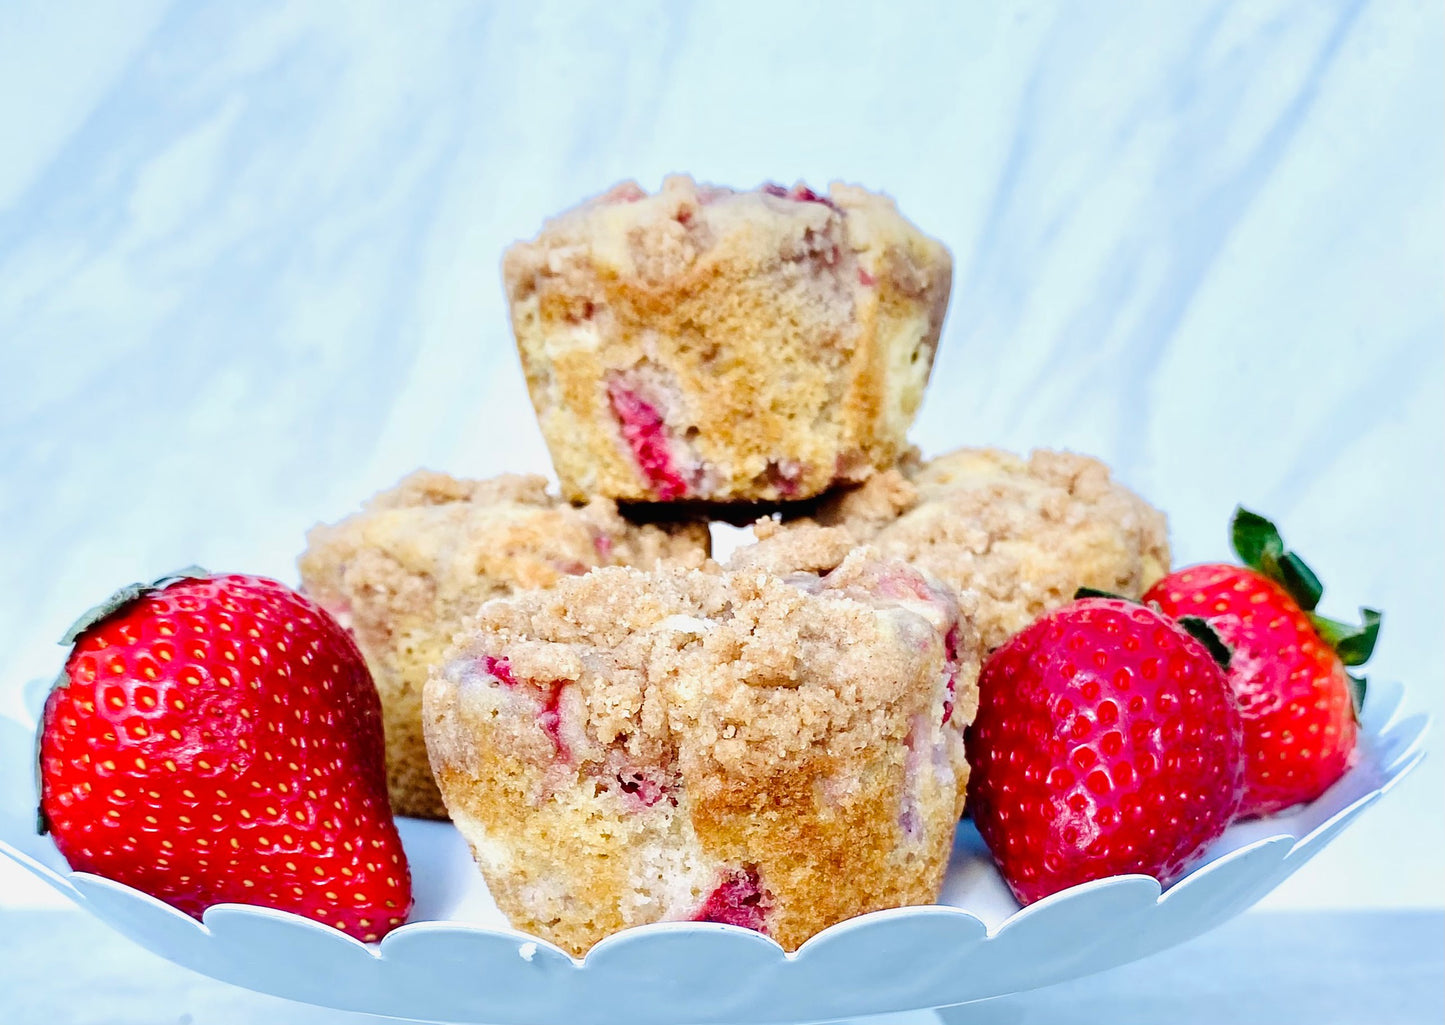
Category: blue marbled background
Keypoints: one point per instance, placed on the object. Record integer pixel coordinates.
(248, 268)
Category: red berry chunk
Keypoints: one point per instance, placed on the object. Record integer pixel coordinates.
(738, 900)
(645, 432)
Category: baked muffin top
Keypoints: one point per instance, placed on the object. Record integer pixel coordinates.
(434, 540)
(658, 236)
(737, 672)
(1023, 533)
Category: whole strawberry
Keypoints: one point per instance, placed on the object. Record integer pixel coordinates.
(1106, 742)
(1288, 666)
(218, 739)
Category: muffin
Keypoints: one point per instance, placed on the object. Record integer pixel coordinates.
(404, 572)
(1023, 534)
(773, 752)
(710, 345)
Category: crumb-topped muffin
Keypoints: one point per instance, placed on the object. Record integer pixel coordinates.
(778, 753)
(404, 572)
(1024, 534)
(718, 346)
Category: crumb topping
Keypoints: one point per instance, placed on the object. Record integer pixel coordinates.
(405, 572)
(1023, 534)
(738, 672)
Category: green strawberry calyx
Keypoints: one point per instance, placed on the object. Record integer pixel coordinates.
(124, 598)
(1196, 626)
(1199, 628)
(117, 603)
(1258, 544)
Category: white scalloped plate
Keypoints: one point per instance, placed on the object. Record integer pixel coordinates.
(458, 961)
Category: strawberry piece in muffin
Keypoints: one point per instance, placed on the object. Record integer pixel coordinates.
(712, 345)
(772, 750)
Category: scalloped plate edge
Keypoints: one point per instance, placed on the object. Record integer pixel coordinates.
(1401, 763)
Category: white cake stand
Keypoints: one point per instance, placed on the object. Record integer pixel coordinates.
(458, 961)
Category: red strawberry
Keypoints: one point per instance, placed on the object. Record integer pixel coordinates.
(1288, 667)
(1106, 742)
(218, 739)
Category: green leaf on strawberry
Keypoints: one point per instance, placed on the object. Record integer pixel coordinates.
(1299, 580)
(1354, 644)
(1094, 592)
(122, 599)
(118, 602)
(1084, 804)
(1255, 539)
(1199, 628)
(1357, 693)
(1259, 546)
(1300, 707)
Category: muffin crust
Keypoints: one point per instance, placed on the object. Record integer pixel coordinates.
(1022, 534)
(773, 752)
(405, 572)
(709, 345)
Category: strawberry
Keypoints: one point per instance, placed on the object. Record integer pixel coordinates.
(1288, 668)
(1106, 742)
(218, 739)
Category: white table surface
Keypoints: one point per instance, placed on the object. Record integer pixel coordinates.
(1270, 968)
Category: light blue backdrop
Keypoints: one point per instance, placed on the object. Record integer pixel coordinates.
(248, 268)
